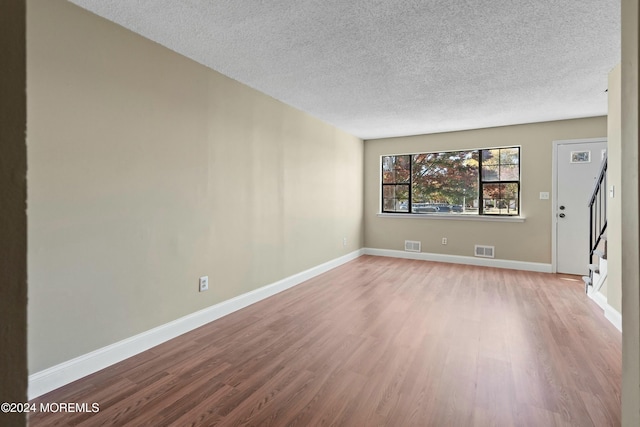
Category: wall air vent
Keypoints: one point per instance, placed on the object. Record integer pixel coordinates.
(412, 246)
(485, 251)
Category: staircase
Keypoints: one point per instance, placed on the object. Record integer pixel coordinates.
(598, 269)
(597, 234)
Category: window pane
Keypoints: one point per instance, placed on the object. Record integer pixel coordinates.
(395, 169)
(509, 173)
(491, 157)
(395, 198)
(444, 182)
(490, 173)
(500, 199)
(509, 156)
(389, 191)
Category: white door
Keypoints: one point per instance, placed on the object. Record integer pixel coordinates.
(578, 165)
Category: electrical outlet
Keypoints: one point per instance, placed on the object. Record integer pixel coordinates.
(444, 240)
(344, 241)
(204, 283)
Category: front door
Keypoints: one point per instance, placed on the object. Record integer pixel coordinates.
(578, 165)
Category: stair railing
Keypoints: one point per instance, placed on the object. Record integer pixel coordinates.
(598, 212)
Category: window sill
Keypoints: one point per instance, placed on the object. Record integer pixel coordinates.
(455, 217)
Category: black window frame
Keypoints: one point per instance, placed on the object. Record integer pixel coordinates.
(482, 182)
(397, 183)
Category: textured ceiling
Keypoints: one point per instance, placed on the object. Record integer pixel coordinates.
(379, 68)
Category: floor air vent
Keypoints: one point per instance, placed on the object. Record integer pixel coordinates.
(484, 251)
(411, 246)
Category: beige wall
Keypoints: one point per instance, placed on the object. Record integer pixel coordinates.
(528, 241)
(613, 290)
(630, 217)
(13, 226)
(147, 170)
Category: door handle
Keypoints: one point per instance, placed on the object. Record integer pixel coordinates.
(561, 215)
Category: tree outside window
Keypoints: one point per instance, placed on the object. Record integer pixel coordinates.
(452, 182)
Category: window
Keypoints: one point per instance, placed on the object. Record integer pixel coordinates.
(470, 182)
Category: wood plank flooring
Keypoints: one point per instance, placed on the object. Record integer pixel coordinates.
(377, 342)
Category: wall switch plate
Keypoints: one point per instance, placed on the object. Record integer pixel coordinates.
(204, 283)
(544, 195)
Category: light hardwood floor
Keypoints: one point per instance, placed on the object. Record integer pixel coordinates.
(377, 342)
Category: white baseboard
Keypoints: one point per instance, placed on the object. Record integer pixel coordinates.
(599, 299)
(610, 313)
(457, 259)
(64, 373)
(614, 317)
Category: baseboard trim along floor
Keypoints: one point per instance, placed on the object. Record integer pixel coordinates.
(457, 259)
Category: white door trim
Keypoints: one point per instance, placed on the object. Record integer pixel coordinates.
(554, 187)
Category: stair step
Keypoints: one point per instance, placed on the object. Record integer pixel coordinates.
(587, 282)
(594, 267)
(600, 253)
